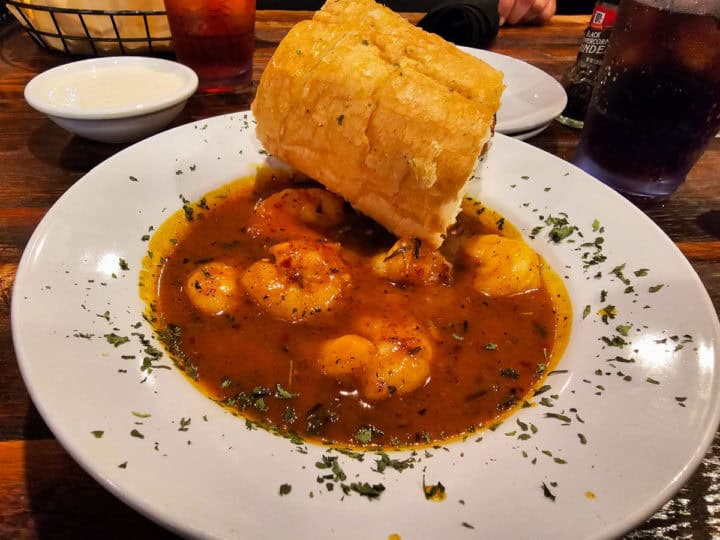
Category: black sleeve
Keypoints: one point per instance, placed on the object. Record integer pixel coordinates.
(575, 7)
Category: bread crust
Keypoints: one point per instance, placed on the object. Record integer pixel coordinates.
(379, 111)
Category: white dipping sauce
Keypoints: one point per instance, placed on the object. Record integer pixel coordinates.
(112, 87)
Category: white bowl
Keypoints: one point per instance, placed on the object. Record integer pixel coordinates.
(113, 99)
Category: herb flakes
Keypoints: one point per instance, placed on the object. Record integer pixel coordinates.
(365, 434)
(548, 494)
(434, 492)
(281, 393)
(367, 490)
(115, 340)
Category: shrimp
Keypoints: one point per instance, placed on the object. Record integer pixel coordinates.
(504, 266)
(295, 212)
(409, 262)
(213, 288)
(383, 359)
(305, 278)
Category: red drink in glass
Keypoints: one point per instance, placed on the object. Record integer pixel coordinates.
(216, 38)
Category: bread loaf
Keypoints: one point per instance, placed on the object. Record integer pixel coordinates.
(379, 111)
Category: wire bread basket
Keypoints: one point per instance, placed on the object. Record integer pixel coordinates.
(94, 32)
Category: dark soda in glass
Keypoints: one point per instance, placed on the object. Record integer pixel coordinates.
(657, 101)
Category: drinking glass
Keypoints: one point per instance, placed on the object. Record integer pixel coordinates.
(656, 105)
(216, 38)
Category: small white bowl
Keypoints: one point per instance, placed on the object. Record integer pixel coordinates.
(113, 99)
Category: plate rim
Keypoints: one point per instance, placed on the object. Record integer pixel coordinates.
(536, 120)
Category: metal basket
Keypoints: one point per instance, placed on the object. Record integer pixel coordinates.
(68, 29)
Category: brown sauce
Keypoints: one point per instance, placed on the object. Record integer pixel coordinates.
(488, 353)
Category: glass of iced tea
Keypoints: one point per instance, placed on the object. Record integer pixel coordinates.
(656, 104)
(216, 38)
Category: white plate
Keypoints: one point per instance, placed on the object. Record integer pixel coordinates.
(642, 443)
(525, 135)
(532, 97)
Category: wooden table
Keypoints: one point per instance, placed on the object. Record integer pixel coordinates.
(43, 493)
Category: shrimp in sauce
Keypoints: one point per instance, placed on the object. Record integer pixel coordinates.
(300, 280)
(384, 358)
(305, 316)
(308, 212)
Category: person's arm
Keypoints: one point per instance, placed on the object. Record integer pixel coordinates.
(525, 11)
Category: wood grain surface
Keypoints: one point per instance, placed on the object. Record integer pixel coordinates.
(43, 493)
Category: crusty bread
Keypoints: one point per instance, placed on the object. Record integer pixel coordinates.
(379, 111)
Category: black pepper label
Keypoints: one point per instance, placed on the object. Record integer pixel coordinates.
(592, 50)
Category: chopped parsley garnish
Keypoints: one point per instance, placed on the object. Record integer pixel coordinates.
(285, 489)
(561, 228)
(621, 359)
(618, 273)
(549, 494)
(398, 464)
(281, 393)
(289, 415)
(184, 424)
(331, 462)
(509, 373)
(623, 329)
(434, 492)
(98, 433)
(123, 264)
(616, 341)
(557, 416)
(586, 311)
(608, 312)
(135, 433)
(490, 346)
(366, 490)
(655, 288)
(115, 340)
(365, 434)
